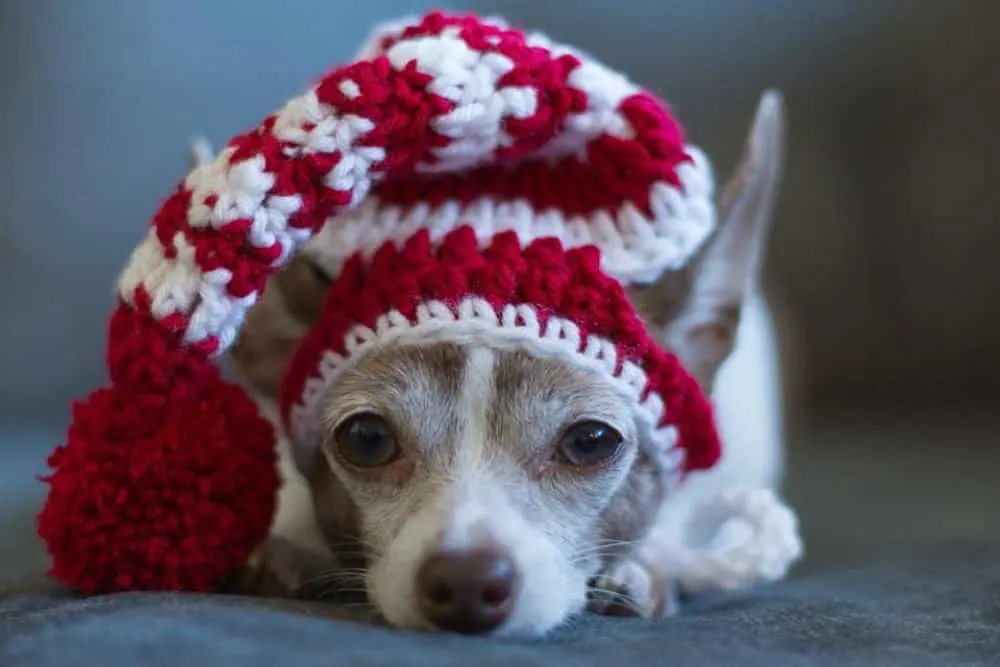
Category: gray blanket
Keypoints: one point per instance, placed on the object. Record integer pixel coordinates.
(942, 612)
(882, 498)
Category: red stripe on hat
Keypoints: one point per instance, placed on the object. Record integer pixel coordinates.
(610, 173)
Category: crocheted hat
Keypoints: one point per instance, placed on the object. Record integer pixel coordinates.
(608, 164)
(167, 478)
(541, 298)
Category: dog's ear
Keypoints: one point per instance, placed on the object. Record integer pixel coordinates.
(695, 311)
(200, 152)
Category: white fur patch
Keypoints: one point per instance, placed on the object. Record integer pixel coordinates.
(477, 394)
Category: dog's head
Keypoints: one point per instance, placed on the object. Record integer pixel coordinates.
(482, 488)
(481, 483)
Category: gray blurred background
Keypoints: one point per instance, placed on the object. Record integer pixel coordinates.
(883, 257)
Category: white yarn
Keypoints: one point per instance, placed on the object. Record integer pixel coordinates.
(517, 326)
(468, 78)
(755, 538)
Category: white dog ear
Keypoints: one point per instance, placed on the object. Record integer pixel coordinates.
(200, 152)
(695, 311)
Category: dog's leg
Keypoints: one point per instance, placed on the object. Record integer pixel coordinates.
(277, 569)
(697, 317)
(643, 583)
(729, 540)
(281, 569)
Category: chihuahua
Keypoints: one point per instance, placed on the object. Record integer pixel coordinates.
(473, 543)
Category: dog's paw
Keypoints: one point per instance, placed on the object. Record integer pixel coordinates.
(630, 589)
(280, 569)
(260, 577)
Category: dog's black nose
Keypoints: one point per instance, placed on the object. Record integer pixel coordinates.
(471, 592)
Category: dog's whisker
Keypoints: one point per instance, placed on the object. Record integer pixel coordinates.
(351, 571)
(618, 544)
(320, 590)
(320, 578)
(361, 553)
(365, 545)
(616, 597)
(606, 545)
(334, 577)
(614, 540)
(600, 550)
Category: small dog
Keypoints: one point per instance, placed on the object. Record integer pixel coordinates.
(479, 542)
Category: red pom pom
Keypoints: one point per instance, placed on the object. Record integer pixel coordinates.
(160, 492)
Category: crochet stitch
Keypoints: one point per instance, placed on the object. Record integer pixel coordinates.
(167, 477)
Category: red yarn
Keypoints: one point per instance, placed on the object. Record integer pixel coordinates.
(167, 481)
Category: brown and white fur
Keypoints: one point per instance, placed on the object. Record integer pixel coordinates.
(476, 426)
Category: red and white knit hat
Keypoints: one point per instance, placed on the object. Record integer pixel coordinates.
(606, 163)
(541, 298)
(480, 179)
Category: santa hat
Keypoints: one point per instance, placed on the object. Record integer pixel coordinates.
(512, 185)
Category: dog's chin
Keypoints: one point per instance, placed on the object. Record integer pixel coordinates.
(552, 592)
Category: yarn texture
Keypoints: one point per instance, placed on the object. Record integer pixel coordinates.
(166, 480)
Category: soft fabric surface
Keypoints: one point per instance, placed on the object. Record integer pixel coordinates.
(884, 506)
(941, 612)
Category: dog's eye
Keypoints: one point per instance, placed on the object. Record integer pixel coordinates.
(588, 442)
(366, 441)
